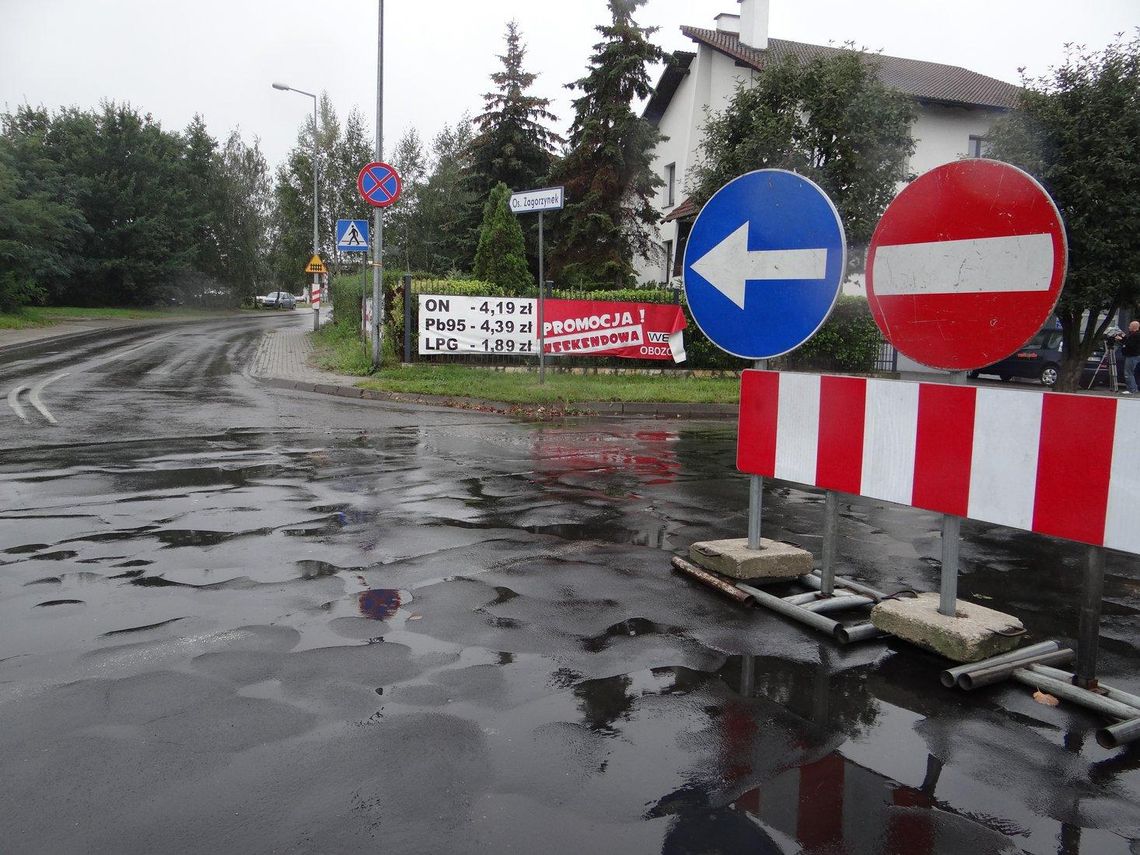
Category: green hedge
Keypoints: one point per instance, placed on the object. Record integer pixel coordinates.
(848, 341)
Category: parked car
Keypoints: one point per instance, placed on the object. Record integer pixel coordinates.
(1040, 359)
(278, 300)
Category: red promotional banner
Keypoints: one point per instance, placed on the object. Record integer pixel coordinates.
(628, 330)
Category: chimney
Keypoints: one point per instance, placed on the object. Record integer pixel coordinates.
(754, 23)
(726, 23)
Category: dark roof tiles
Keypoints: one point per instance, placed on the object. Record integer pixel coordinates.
(926, 81)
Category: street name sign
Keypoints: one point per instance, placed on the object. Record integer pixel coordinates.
(379, 184)
(352, 235)
(534, 201)
(764, 263)
(966, 264)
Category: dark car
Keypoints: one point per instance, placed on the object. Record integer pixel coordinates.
(1040, 359)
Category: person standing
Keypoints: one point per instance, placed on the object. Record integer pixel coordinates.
(1131, 357)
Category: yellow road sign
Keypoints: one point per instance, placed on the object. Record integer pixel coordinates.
(316, 265)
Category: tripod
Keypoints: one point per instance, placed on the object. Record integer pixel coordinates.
(1109, 358)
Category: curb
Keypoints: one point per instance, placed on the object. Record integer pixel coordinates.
(585, 408)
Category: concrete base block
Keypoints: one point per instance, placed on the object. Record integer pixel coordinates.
(969, 637)
(733, 558)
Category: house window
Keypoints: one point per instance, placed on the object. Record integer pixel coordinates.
(977, 147)
(668, 246)
(670, 184)
(683, 229)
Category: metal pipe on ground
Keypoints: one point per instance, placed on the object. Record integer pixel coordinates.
(995, 674)
(857, 632)
(950, 675)
(763, 598)
(1069, 692)
(800, 599)
(837, 604)
(1116, 735)
(812, 580)
(716, 583)
(1107, 691)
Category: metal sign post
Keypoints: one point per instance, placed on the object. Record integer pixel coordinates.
(756, 492)
(951, 538)
(535, 202)
(541, 308)
(380, 186)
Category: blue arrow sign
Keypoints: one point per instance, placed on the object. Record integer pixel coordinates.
(763, 263)
(352, 235)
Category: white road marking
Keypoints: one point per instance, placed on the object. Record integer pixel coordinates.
(14, 403)
(34, 397)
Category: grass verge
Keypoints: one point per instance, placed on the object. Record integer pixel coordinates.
(341, 350)
(45, 316)
(460, 381)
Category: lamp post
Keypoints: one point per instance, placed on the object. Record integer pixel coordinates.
(316, 244)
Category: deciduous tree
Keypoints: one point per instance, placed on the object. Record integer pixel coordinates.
(1077, 130)
(830, 119)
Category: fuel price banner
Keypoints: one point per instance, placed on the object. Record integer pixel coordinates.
(507, 326)
(627, 330)
(455, 325)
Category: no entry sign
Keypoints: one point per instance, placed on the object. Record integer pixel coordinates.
(966, 264)
(379, 184)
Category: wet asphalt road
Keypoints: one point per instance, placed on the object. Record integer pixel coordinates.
(240, 619)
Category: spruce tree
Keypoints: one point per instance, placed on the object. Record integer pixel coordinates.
(501, 256)
(609, 217)
(511, 144)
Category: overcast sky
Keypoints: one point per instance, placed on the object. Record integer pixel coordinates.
(219, 57)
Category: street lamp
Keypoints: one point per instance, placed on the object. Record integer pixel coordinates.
(316, 245)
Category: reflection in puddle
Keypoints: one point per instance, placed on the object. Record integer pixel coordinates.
(193, 537)
(609, 700)
(144, 628)
(379, 603)
(629, 628)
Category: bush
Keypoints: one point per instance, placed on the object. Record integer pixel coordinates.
(501, 256)
(847, 341)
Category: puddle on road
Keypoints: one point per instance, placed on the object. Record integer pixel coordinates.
(380, 603)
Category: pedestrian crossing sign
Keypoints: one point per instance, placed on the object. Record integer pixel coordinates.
(316, 265)
(352, 235)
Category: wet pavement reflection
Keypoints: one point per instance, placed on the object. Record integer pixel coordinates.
(464, 636)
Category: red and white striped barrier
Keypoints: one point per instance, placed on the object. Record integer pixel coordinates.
(1056, 464)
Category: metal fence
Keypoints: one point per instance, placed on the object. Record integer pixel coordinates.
(888, 358)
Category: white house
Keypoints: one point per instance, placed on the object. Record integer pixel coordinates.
(955, 109)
